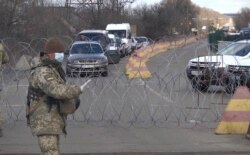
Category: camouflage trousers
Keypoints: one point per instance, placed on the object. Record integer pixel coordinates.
(49, 144)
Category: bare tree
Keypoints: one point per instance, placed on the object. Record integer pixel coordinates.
(29, 19)
(96, 13)
(9, 15)
(165, 18)
(243, 18)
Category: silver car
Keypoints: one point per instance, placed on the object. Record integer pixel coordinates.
(86, 57)
(142, 41)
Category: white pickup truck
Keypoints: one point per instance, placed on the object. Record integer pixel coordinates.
(229, 67)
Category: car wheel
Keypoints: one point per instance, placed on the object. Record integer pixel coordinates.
(200, 85)
(230, 84)
(68, 73)
(117, 60)
(123, 51)
(230, 88)
(105, 73)
(126, 52)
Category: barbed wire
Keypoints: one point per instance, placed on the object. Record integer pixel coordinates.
(167, 99)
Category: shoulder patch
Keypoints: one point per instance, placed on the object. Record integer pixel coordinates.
(49, 77)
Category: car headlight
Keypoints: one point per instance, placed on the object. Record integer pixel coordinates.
(69, 62)
(102, 61)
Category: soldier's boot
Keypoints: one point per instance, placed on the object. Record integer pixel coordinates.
(248, 133)
(1, 132)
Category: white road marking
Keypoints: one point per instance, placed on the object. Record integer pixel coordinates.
(156, 93)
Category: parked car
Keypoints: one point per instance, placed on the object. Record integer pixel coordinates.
(245, 32)
(86, 57)
(135, 44)
(228, 68)
(142, 41)
(113, 54)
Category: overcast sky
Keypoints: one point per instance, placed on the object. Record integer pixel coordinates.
(222, 6)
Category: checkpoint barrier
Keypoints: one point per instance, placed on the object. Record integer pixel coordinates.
(236, 117)
(137, 63)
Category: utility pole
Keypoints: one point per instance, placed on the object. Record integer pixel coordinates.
(85, 3)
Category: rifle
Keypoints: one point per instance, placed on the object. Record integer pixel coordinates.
(33, 94)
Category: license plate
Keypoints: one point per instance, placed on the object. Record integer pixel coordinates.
(196, 73)
(88, 66)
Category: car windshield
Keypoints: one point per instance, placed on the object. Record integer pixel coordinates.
(86, 49)
(140, 39)
(236, 49)
(89, 36)
(99, 37)
(119, 33)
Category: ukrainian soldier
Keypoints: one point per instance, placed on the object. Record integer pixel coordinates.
(46, 93)
(3, 60)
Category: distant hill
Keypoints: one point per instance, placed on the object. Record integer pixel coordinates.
(208, 16)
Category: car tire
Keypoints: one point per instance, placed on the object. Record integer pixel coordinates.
(116, 62)
(230, 88)
(126, 52)
(105, 74)
(68, 73)
(200, 85)
(230, 84)
(123, 52)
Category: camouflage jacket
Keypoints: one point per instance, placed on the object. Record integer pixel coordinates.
(3, 56)
(45, 118)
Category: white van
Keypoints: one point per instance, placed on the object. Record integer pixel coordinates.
(123, 31)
